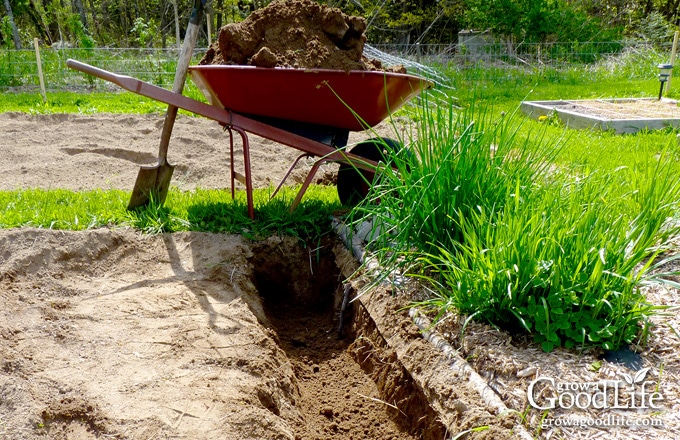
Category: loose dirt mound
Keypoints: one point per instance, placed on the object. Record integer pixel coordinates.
(295, 34)
(108, 334)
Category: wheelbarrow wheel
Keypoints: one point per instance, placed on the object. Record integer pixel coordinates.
(353, 184)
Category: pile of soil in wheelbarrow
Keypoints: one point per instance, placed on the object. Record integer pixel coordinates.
(300, 34)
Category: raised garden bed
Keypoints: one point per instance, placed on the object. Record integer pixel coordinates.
(621, 115)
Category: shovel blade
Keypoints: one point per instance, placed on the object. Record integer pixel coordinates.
(152, 184)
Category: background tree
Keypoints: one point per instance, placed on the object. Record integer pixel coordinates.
(536, 21)
(126, 23)
(12, 24)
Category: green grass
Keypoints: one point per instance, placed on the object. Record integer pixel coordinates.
(504, 231)
(70, 102)
(199, 210)
(631, 75)
(86, 103)
(62, 209)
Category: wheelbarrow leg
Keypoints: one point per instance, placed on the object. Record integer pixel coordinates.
(232, 174)
(246, 165)
(307, 182)
(290, 170)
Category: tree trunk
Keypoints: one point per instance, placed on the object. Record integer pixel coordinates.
(95, 18)
(177, 37)
(15, 30)
(220, 9)
(39, 19)
(77, 7)
(164, 23)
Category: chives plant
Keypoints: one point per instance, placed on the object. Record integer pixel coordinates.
(481, 213)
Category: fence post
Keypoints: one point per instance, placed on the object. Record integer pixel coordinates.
(208, 16)
(673, 52)
(40, 72)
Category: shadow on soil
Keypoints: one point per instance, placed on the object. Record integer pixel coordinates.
(350, 384)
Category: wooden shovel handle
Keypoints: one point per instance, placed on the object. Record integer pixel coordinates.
(180, 77)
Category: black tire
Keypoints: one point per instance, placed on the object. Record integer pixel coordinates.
(354, 184)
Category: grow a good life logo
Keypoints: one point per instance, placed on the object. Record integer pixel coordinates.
(631, 393)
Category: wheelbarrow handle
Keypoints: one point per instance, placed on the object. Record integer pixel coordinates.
(123, 81)
(224, 117)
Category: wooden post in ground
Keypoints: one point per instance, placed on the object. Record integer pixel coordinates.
(674, 50)
(208, 15)
(177, 37)
(40, 72)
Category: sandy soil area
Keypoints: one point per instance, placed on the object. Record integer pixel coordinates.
(105, 151)
(111, 334)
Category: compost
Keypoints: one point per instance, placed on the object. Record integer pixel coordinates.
(295, 34)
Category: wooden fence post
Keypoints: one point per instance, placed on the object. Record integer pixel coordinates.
(40, 72)
(674, 50)
(208, 15)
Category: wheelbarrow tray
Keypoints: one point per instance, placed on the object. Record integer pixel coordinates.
(353, 100)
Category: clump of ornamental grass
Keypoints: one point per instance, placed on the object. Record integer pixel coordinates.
(482, 215)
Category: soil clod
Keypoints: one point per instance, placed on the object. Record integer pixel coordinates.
(300, 34)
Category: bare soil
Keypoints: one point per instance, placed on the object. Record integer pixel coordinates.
(300, 34)
(624, 108)
(111, 334)
(105, 151)
(107, 334)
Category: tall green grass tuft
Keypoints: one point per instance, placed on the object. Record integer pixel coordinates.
(501, 233)
(461, 162)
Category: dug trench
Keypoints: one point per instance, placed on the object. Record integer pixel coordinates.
(350, 385)
(107, 333)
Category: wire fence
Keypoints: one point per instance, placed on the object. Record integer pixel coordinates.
(19, 69)
(475, 50)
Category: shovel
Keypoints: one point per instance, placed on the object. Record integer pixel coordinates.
(153, 182)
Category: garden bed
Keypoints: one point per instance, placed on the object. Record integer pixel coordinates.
(620, 115)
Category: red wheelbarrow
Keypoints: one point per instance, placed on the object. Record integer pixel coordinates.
(312, 111)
